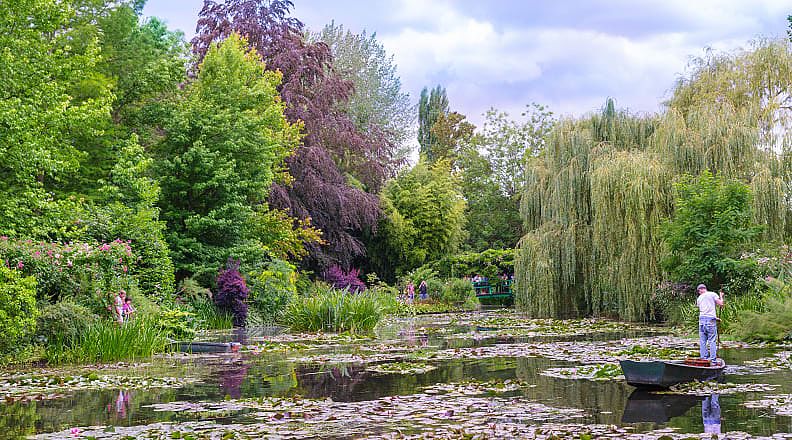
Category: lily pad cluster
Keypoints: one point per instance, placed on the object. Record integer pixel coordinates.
(778, 362)
(781, 404)
(45, 387)
(420, 413)
(597, 372)
(402, 368)
(707, 388)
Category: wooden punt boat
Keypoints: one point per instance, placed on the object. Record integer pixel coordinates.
(207, 347)
(664, 374)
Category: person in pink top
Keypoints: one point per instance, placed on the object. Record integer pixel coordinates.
(118, 306)
(410, 292)
(129, 309)
(708, 322)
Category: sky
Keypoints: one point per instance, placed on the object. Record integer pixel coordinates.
(568, 55)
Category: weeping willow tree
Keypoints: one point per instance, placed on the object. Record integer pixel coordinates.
(598, 192)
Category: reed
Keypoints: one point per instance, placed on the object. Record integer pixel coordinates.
(336, 310)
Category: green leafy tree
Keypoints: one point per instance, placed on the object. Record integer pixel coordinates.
(430, 106)
(449, 132)
(378, 101)
(42, 117)
(424, 219)
(711, 227)
(493, 168)
(225, 145)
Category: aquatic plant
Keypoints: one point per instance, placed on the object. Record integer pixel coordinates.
(331, 309)
(107, 341)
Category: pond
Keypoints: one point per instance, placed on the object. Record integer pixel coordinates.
(490, 374)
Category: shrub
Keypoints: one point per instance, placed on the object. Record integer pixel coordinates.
(190, 291)
(176, 324)
(774, 324)
(458, 291)
(273, 288)
(330, 309)
(232, 292)
(62, 323)
(344, 280)
(89, 273)
(18, 310)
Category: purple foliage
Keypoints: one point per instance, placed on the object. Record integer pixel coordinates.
(344, 280)
(232, 292)
(332, 147)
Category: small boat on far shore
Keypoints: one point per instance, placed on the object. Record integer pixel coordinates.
(207, 347)
(664, 374)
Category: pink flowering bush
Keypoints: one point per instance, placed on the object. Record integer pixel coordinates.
(91, 273)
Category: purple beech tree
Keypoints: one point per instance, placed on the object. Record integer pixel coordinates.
(338, 169)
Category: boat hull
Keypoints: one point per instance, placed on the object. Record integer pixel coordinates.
(664, 374)
(207, 347)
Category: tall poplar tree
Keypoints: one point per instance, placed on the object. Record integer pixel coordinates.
(431, 105)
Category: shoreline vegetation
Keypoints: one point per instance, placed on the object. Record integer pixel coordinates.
(258, 175)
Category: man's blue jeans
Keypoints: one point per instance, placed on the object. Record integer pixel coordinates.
(708, 335)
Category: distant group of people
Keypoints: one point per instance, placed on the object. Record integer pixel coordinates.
(481, 279)
(123, 310)
(409, 291)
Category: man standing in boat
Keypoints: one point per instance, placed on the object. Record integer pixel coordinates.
(708, 322)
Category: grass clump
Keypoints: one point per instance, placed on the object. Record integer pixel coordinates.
(337, 310)
(107, 341)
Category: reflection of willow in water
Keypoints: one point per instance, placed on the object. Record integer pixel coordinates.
(18, 420)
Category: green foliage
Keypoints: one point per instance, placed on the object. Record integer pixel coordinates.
(176, 324)
(91, 274)
(226, 142)
(209, 317)
(490, 263)
(18, 310)
(431, 105)
(42, 117)
(329, 309)
(712, 225)
(378, 101)
(458, 291)
(773, 324)
(63, 323)
(424, 219)
(273, 288)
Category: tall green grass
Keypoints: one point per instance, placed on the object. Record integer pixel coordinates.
(336, 310)
(107, 341)
(209, 317)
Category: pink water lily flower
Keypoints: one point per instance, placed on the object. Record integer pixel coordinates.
(75, 432)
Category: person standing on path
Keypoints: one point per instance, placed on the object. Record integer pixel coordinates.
(410, 292)
(708, 322)
(423, 289)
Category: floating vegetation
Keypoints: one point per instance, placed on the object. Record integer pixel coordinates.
(778, 362)
(780, 404)
(476, 388)
(23, 388)
(300, 418)
(599, 372)
(402, 368)
(707, 388)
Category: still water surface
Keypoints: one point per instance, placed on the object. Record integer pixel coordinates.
(256, 374)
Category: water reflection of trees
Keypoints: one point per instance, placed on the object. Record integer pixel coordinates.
(339, 382)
